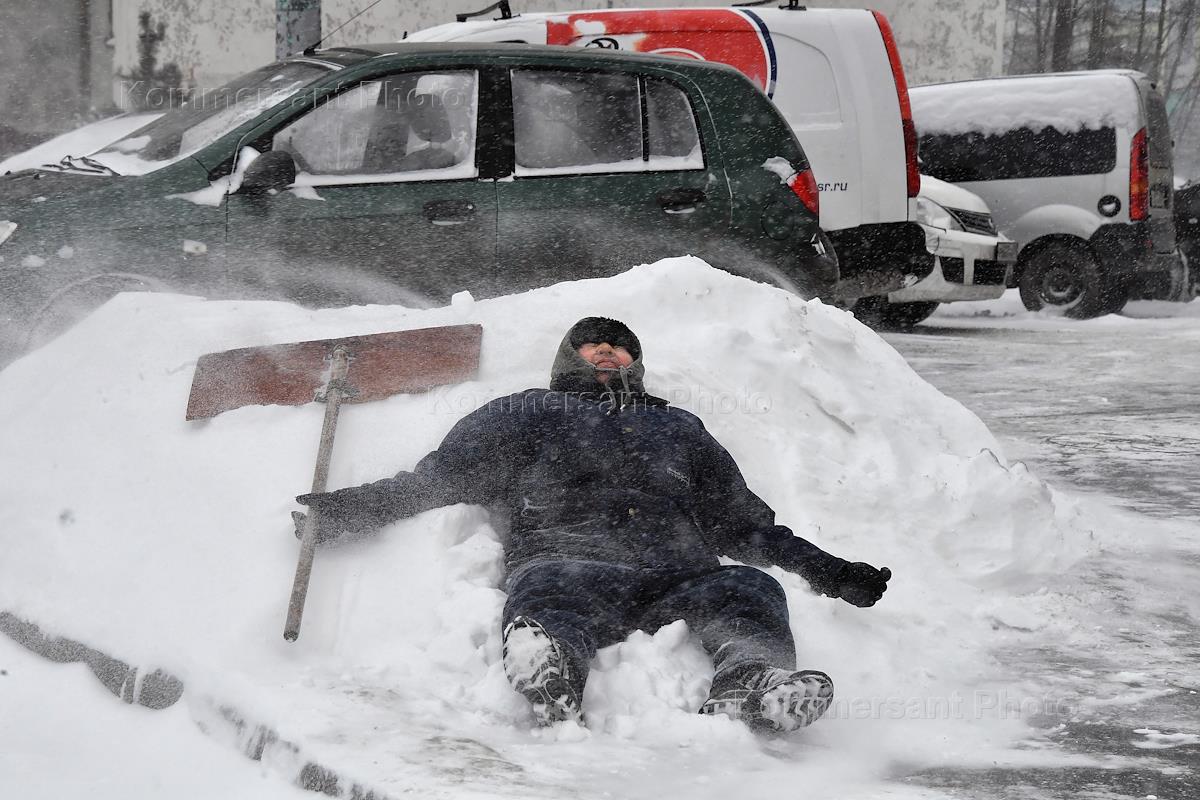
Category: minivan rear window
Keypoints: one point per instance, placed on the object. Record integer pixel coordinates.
(1019, 153)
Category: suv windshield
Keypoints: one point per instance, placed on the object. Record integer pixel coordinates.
(207, 117)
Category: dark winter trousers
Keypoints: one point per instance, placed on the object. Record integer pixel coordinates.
(739, 613)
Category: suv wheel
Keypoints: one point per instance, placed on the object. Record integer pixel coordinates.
(1061, 279)
(877, 312)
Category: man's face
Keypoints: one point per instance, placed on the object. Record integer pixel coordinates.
(603, 355)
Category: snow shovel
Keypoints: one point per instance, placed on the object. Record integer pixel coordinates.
(356, 369)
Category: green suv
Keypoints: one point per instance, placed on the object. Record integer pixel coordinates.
(403, 173)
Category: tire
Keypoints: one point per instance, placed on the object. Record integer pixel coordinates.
(1067, 281)
(876, 312)
(1116, 294)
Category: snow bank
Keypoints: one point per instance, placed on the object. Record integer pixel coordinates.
(1065, 102)
(168, 542)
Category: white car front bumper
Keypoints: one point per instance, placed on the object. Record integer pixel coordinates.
(961, 259)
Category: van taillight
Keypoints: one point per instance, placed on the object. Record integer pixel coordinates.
(1139, 178)
(913, 173)
(805, 186)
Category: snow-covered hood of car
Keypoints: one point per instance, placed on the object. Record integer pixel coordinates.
(29, 187)
(948, 195)
(79, 142)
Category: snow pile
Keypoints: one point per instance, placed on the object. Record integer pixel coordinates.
(169, 542)
(1065, 102)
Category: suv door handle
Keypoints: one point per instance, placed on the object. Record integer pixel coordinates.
(449, 212)
(682, 200)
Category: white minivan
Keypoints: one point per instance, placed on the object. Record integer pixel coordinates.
(834, 73)
(1077, 167)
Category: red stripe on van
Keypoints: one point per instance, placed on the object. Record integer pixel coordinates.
(1139, 178)
(906, 120)
(708, 34)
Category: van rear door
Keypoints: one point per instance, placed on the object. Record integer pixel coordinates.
(828, 71)
(1161, 169)
(837, 88)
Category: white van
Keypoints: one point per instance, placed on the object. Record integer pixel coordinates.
(1077, 168)
(834, 73)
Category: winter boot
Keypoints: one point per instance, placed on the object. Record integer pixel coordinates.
(538, 668)
(769, 698)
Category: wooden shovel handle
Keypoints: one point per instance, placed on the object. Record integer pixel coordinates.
(308, 538)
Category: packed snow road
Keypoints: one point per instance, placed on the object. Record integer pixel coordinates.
(1106, 408)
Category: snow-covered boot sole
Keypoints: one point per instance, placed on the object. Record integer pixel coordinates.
(538, 668)
(155, 690)
(776, 700)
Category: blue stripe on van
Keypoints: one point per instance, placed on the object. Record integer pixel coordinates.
(766, 35)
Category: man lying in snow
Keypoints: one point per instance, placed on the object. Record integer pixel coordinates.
(618, 506)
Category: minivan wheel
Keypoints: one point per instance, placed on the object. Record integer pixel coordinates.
(1065, 280)
(877, 312)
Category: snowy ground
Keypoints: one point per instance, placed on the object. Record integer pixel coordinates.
(1107, 408)
(1023, 636)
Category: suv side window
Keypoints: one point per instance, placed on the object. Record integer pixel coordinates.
(671, 127)
(411, 126)
(1020, 153)
(590, 122)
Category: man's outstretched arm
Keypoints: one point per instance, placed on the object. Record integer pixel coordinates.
(741, 525)
(474, 462)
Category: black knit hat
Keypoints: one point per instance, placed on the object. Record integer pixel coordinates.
(571, 373)
(598, 330)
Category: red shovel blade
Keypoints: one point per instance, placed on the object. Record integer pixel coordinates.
(381, 365)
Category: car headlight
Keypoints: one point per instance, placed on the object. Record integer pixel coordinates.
(935, 216)
(6, 230)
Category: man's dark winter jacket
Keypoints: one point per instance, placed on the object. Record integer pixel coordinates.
(610, 475)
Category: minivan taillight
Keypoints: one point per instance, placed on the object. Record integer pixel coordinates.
(1139, 178)
(913, 173)
(805, 186)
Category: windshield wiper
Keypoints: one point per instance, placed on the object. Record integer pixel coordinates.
(91, 162)
(88, 165)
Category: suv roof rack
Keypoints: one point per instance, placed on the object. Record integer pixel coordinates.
(505, 11)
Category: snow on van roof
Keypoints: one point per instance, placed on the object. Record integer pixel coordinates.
(1066, 101)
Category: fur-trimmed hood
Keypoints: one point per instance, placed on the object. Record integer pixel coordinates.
(571, 373)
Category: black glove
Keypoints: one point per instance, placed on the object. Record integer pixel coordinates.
(336, 503)
(338, 512)
(860, 584)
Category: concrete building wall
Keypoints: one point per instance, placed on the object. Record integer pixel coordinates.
(215, 40)
(55, 63)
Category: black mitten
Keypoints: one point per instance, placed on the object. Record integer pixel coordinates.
(860, 584)
(338, 512)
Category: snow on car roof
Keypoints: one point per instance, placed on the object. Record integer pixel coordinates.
(1066, 101)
